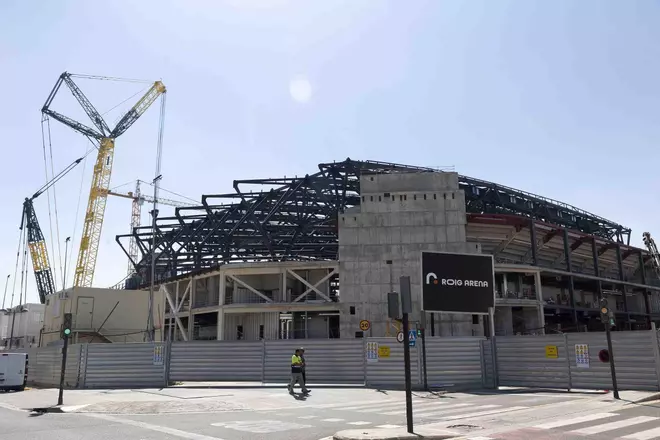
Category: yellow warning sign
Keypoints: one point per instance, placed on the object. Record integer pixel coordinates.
(383, 351)
(551, 352)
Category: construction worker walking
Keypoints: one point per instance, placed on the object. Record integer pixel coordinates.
(296, 372)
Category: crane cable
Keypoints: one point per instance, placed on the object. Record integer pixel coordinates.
(57, 217)
(80, 193)
(50, 217)
(18, 257)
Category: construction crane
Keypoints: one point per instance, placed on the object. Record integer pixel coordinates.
(136, 216)
(104, 139)
(36, 241)
(653, 250)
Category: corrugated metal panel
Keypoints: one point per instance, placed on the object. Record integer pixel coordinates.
(216, 361)
(338, 361)
(634, 360)
(388, 372)
(44, 366)
(124, 365)
(453, 362)
(489, 364)
(522, 361)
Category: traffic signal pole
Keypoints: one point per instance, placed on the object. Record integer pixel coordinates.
(406, 307)
(66, 331)
(607, 317)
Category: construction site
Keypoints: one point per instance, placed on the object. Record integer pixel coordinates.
(314, 256)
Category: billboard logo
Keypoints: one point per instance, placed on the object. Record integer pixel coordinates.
(431, 276)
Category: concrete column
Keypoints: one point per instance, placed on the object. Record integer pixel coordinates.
(222, 286)
(505, 285)
(285, 296)
(539, 295)
(191, 318)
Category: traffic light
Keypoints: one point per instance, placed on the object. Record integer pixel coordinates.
(66, 326)
(606, 315)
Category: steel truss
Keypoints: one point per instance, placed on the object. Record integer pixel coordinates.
(296, 218)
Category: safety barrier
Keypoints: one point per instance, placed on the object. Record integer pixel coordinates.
(568, 361)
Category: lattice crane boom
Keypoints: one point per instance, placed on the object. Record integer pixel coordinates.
(93, 222)
(36, 241)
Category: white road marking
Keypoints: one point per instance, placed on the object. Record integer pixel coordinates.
(441, 415)
(644, 435)
(399, 405)
(375, 405)
(389, 426)
(260, 426)
(478, 438)
(12, 408)
(332, 420)
(430, 410)
(574, 421)
(157, 428)
(614, 425)
(308, 417)
(484, 413)
(359, 423)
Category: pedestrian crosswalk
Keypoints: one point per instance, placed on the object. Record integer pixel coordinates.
(614, 425)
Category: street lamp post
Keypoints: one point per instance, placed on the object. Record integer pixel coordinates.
(4, 297)
(66, 248)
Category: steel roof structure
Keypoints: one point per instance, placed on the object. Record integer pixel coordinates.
(295, 219)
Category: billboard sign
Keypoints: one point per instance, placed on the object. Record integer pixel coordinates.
(457, 283)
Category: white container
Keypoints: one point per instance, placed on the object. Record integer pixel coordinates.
(13, 371)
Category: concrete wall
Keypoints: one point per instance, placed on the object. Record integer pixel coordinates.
(129, 316)
(400, 216)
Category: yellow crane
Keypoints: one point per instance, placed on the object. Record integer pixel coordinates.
(138, 199)
(104, 139)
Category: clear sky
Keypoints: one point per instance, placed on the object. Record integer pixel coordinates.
(558, 98)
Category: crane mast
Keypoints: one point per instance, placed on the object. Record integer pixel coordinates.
(653, 250)
(104, 138)
(136, 216)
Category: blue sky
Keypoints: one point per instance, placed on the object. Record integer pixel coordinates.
(558, 98)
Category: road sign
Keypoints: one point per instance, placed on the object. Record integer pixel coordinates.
(412, 337)
(459, 283)
(400, 337)
(365, 325)
(372, 352)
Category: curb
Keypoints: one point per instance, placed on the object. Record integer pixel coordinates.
(48, 409)
(393, 434)
(260, 387)
(650, 398)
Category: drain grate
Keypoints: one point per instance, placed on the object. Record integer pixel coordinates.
(463, 427)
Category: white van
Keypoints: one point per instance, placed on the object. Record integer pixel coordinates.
(13, 371)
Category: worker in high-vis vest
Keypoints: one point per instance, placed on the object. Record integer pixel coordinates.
(296, 373)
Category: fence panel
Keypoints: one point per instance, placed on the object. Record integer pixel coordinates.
(387, 371)
(489, 364)
(454, 362)
(45, 363)
(529, 361)
(331, 361)
(634, 359)
(216, 361)
(138, 365)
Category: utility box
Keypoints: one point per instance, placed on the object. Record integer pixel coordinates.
(13, 371)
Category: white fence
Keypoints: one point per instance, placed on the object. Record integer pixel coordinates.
(566, 361)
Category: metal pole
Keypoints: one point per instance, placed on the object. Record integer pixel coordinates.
(13, 320)
(423, 336)
(4, 297)
(406, 361)
(612, 369)
(60, 396)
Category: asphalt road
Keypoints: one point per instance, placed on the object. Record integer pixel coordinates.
(274, 415)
